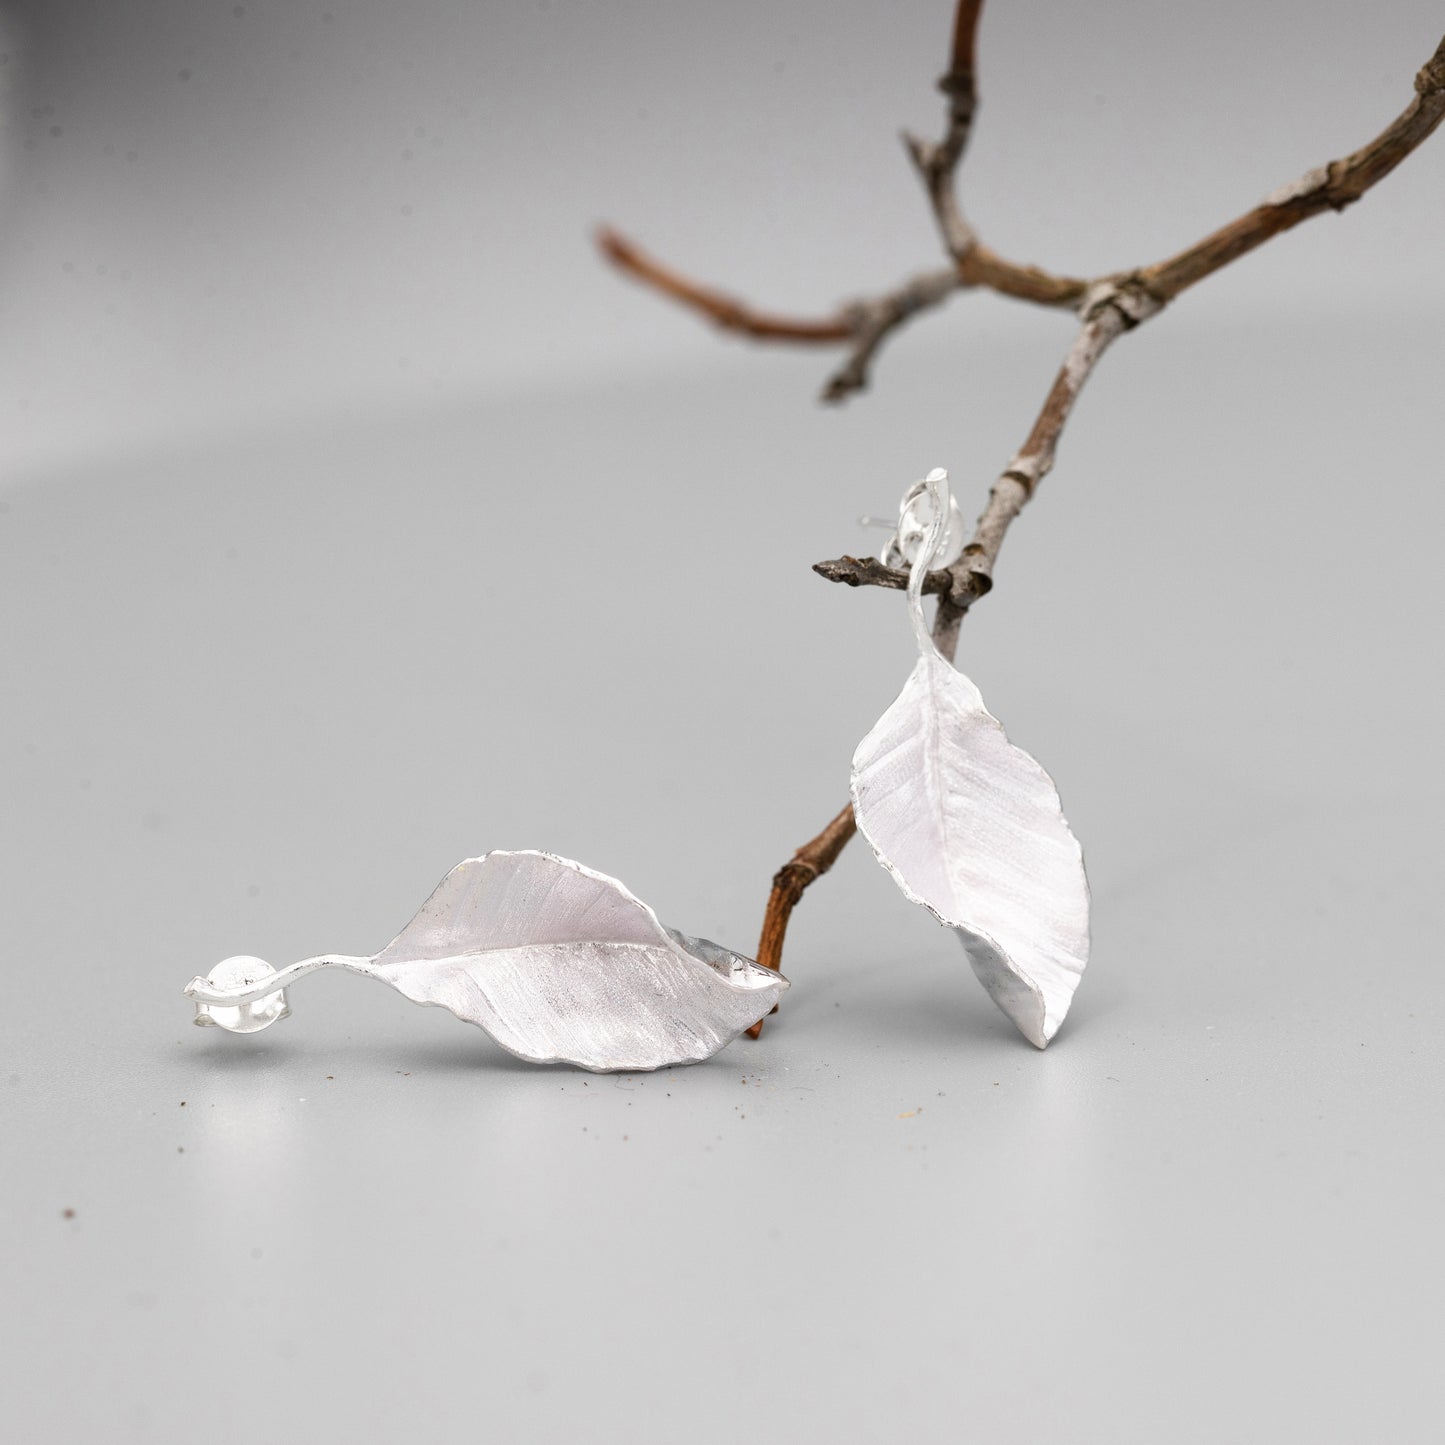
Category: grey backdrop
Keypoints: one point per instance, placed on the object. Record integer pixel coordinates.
(355, 521)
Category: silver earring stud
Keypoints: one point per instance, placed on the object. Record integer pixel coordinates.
(911, 531)
(558, 963)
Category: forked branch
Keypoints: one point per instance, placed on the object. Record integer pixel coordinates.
(1107, 307)
(938, 162)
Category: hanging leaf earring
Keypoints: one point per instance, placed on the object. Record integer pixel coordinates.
(557, 963)
(970, 826)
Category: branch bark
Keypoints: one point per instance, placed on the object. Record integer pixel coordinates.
(937, 163)
(719, 308)
(1120, 302)
(1108, 307)
(1112, 310)
(807, 865)
(1332, 186)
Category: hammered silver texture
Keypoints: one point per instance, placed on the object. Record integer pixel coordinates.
(558, 963)
(971, 828)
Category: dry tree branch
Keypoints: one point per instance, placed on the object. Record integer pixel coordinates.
(1108, 307)
(867, 323)
(725, 312)
(938, 164)
(1112, 307)
(872, 322)
(864, 324)
(1135, 296)
(1111, 310)
(809, 863)
(1330, 187)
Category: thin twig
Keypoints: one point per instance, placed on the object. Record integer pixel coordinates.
(1111, 311)
(937, 163)
(1112, 307)
(810, 862)
(1108, 307)
(1133, 297)
(870, 572)
(722, 310)
(1332, 186)
(874, 321)
(863, 324)
(985, 268)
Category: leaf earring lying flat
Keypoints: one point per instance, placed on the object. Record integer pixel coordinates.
(556, 962)
(971, 827)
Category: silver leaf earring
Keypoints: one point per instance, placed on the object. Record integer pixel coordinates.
(969, 825)
(558, 963)
(910, 532)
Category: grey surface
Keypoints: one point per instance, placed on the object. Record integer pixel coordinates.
(236, 716)
(1206, 1213)
(346, 204)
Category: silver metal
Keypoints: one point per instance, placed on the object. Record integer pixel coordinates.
(249, 1014)
(971, 827)
(915, 520)
(558, 963)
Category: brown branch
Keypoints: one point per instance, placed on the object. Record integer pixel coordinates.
(1332, 186)
(986, 268)
(1119, 303)
(864, 325)
(810, 862)
(870, 572)
(937, 162)
(1111, 310)
(722, 310)
(874, 321)
(1108, 307)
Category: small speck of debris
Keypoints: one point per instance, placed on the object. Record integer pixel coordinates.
(331, 1076)
(67, 1214)
(180, 1148)
(911, 1113)
(183, 1103)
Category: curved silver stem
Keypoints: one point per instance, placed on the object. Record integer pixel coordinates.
(204, 992)
(936, 489)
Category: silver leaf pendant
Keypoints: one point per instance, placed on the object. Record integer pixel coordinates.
(971, 827)
(558, 963)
